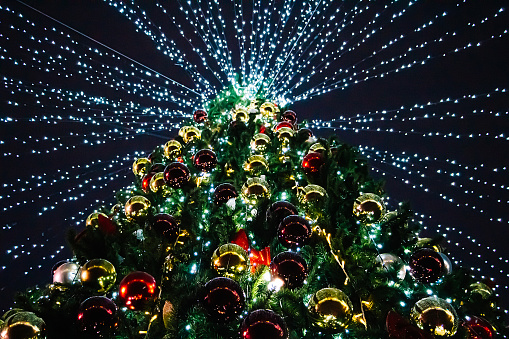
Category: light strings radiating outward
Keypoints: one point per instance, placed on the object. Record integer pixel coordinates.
(68, 96)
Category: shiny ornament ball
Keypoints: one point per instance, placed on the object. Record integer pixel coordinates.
(137, 290)
(189, 133)
(199, 116)
(268, 109)
(23, 325)
(369, 208)
(294, 231)
(230, 260)
(285, 133)
(205, 160)
(436, 316)
(481, 289)
(176, 175)
(166, 226)
(260, 142)
(283, 124)
(278, 211)
(426, 265)
(478, 328)
(263, 324)
(312, 163)
(93, 219)
(98, 275)
(330, 309)
(289, 116)
(255, 189)
(289, 267)
(311, 194)
(224, 192)
(317, 147)
(447, 264)
(240, 114)
(172, 149)
(145, 182)
(157, 183)
(66, 273)
(223, 299)
(256, 164)
(137, 207)
(97, 317)
(391, 262)
(140, 166)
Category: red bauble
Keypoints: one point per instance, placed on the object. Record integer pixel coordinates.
(289, 267)
(223, 299)
(283, 124)
(426, 265)
(199, 116)
(137, 290)
(263, 129)
(278, 211)
(176, 175)
(145, 182)
(106, 225)
(312, 163)
(289, 116)
(166, 226)
(205, 160)
(479, 328)
(294, 231)
(263, 324)
(223, 193)
(400, 328)
(97, 317)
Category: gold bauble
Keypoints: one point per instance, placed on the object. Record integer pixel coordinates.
(312, 193)
(23, 325)
(172, 149)
(93, 219)
(157, 183)
(137, 207)
(268, 109)
(256, 164)
(330, 309)
(260, 142)
(240, 114)
(285, 133)
(116, 209)
(482, 289)
(189, 133)
(369, 208)
(436, 316)
(140, 166)
(255, 188)
(98, 275)
(317, 147)
(230, 260)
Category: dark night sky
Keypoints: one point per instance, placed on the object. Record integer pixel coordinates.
(475, 70)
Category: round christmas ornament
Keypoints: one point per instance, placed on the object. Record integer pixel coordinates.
(481, 289)
(289, 116)
(23, 325)
(137, 207)
(289, 267)
(426, 265)
(167, 226)
(317, 147)
(369, 208)
(436, 316)
(93, 219)
(223, 299)
(285, 133)
(312, 193)
(176, 175)
(330, 309)
(205, 160)
(66, 273)
(189, 133)
(256, 164)
(260, 142)
(99, 275)
(268, 109)
(263, 324)
(255, 188)
(391, 262)
(478, 328)
(97, 317)
(224, 192)
(172, 149)
(240, 114)
(428, 243)
(283, 124)
(102, 222)
(278, 211)
(312, 163)
(157, 183)
(200, 116)
(230, 260)
(145, 182)
(140, 166)
(137, 290)
(294, 231)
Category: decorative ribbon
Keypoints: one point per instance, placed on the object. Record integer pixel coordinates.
(256, 257)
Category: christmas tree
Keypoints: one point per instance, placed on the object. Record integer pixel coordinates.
(246, 225)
